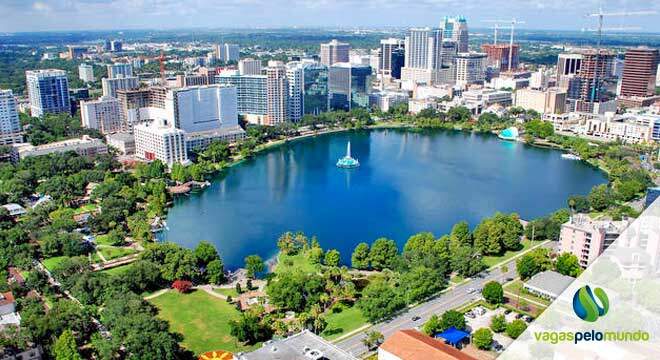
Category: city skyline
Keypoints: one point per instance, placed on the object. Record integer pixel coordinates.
(51, 15)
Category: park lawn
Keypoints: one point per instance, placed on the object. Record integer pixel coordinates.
(202, 319)
(53, 262)
(102, 240)
(517, 286)
(298, 262)
(114, 252)
(85, 208)
(227, 292)
(456, 279)
(118, 270)
(340, 323)
(493, 260)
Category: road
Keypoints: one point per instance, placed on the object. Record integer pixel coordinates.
(451, 299)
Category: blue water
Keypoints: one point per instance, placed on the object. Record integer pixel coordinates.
(407, 182)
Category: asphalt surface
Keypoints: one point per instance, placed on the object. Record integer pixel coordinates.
(448, 300)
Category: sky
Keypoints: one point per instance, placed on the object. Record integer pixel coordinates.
(47, 15)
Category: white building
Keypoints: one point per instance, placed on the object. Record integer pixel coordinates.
(202, 108)
(295, 80)
(334, 52)
(470, 68)
(158, 141)
(86, 73)
(628, 128)
(278, 89)
(122, 141)
(249, 66)
(478, 100)
(84, 146)
(227, 52)
(423, 57)
(10, 125)
(48, 91)
(552, 100)
(385, 100)
(120, 70)
(110, 86)
(102, 114)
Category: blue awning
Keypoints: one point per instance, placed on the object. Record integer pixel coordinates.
(453, 335)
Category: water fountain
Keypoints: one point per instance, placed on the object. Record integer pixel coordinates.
(347, 162)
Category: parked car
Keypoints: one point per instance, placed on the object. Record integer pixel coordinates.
(415, 318)
(470, 314)
(519, 315)
(507, 311)
(471, 290)
(479, 310)
(527, 318)
(508, 279)
(498, 347)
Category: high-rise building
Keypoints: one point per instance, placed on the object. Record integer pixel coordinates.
(639, 71)
(296, 82)
(48, 91)
(348, 86)
(86, 73)
(110, 86)
(470, 68)
(75, 52)
(10, 126)
(249, 66)
(116, 46)
(103, 114)
(587, 238)
(498, 56)
(389, 48)
(315, 97)
(158, 140)
(595, 66)
(334, 52)
(203, 108)
(424, 49)
(568, 64)
(449, 51)
(456, 28)
(551, 101)
(277, 88)
(120, 70)
(252, 95)
(227, 52)
(398, 60)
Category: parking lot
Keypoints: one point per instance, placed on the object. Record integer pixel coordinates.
(482, 318)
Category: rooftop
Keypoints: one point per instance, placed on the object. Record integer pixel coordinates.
(550, 282)
(304, 345)
(413, 345)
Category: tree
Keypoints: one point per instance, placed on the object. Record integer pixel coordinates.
(215, 272)
(460, 234)
(498, 323)
(533, 263)
(332, 257)
(515, 328)
(295, 290)
(568, 264)
(421, 282)
(579, 203)
(254, 265)
(601, 197)
(432, 326)
(493, 292)
(452, 318)
(482, 338)
(65, 347)
(383, 254)
(315, 255)
(466, 262)
(179, 263)
(182, 286)
(250, 329)
(373, 339)
(205, 252)
(379, 301)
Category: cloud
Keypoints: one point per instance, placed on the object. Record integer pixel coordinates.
(41, 6)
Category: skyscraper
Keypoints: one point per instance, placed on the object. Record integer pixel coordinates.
(387, 49)
(48, 91)
(348, 86)
(227, 52)
(120, 70)
(498, 56)
(456, 28)
(470, 68)
(277, 89)
(334, 52)
(315, 88)
(110, 86)
(568, 64)
(10, 126)
(116, 46)
(594, 67)
(424, 49)
(295, 80)
(102, 114)
(639, 71)
(249, 66)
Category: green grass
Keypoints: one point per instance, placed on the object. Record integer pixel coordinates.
(85, 208)
(492, 260)
(298, 262)
(456, 279)
(517, 285)
(51, 263)
(103, 240)
(118, 270)
(114, 252)
(227, 292)
(202, 319)
(343, 321)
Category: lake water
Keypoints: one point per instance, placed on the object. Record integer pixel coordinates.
(407, 182)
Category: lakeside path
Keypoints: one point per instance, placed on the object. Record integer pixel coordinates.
(451, 298)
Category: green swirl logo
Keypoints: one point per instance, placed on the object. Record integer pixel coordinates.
(585, 305)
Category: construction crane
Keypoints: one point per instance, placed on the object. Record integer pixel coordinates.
(600, 15)
(161, 59)
(512, 24)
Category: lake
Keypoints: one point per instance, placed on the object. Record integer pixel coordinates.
(408, 182)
